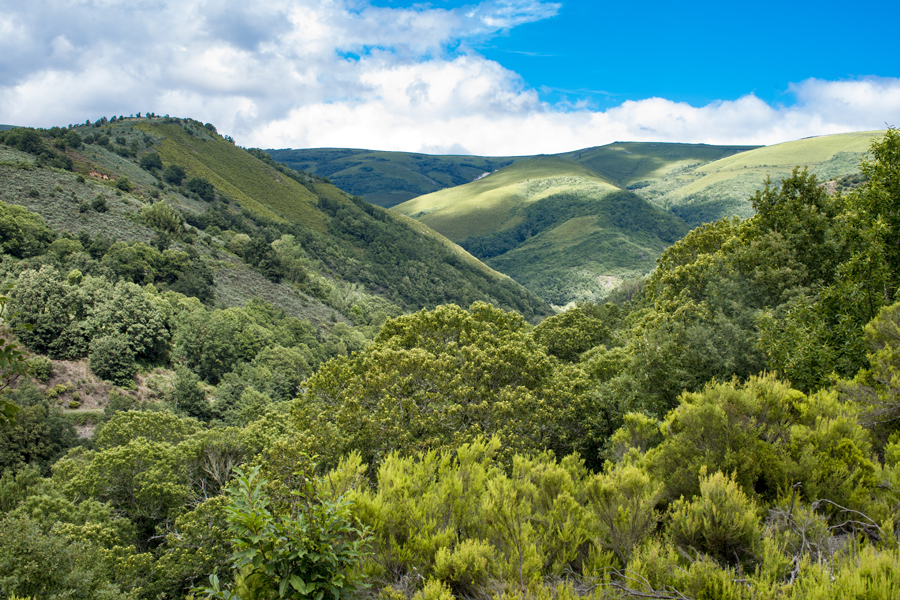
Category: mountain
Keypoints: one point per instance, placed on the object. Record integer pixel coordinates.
(389, 178)
(5, 127)
(262, 229)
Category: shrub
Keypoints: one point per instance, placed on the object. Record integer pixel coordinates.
(174, 174)
(721, 523)
(124, 184)
(41, 368)
(99, 204)
(112, 359)
(309, 552)
(73, 404)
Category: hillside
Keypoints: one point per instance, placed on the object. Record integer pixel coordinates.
(389, 178)
(261, 228)
(561, 229)
(723, 187)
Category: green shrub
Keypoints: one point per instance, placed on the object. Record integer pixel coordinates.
(124, 184)
(112, 359)
(73, 404)
(308, 554)
(721, 523)
(41, 368)
(99, 204)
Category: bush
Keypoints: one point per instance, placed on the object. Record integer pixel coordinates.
(41, 368)
(174, 174)
(721, 523)
(99, 204)
(124, 184)
(113, 360)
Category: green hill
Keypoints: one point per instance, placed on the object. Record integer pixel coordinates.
(263, 230)
(636, 164)
(723, 187)
(389, 178)
(558, 227)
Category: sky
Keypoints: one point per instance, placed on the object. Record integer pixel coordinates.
(488, 77)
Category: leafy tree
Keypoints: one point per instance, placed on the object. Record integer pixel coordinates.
(205, 343)
(41, 564)
(308, 553)
(571, 333)
(174, 174)
(151, 162)
(443, 377)
(23, 233)
(189, 395)
(202, 188)
(113, 360)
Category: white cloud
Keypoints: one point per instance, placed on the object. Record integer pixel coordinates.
(307, 73)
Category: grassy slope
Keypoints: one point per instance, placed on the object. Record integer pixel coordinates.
(491, 204)
(389, 178)
(571, 234)
(350, 241)
(233, 171)
(723, 187)
(630, 163)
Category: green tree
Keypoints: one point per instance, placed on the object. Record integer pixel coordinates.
(174, 174)
(23, 233)
(308, 553)
(151, 162)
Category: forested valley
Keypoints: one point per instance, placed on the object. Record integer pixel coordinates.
(380, 417)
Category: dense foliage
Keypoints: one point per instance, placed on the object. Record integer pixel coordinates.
(730, 431)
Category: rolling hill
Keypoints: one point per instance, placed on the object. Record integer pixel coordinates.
(554, 223)
(263, 230)
(558, 227)
(723, 187)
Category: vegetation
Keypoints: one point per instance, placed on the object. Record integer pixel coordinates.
(728, 430)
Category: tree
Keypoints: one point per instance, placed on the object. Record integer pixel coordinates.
(440, 378)
(174, 174)
(22, 232)
(202, 188)
(308, 553)
(151, 162)
(13, 364)
(113, 360)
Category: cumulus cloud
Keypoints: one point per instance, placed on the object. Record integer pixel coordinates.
(313, 73)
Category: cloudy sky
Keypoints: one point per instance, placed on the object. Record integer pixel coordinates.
(490, 77)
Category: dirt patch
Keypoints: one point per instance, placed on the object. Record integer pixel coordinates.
(77, 391)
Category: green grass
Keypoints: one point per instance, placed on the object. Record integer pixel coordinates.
(492, 203)
(723, 187)
(254, 185)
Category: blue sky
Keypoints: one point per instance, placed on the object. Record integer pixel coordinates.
(474, 76)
